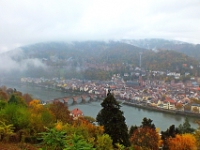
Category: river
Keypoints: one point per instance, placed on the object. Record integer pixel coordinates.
(133, 115)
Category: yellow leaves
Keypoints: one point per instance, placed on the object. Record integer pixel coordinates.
(182, 142)
(34, 102)
(40, 116)
(59, 125)
(92, 129)
(36, 105)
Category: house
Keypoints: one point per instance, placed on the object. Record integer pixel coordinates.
(75, 113)
(126, 74)
(86, 88)
(169, 104)
(195, 108)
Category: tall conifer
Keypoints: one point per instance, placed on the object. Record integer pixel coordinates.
(111, 117)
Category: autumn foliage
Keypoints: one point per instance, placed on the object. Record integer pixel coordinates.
(182, 142)
(25, 121)
(145, 138)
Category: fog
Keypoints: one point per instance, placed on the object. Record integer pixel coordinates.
(28, 22)
(14, 63)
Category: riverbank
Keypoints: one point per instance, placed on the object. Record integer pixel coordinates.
(133, 114)
(174, 112)
(74, 92)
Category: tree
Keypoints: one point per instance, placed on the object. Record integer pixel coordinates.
(90, 119)
(61, 112)
(5, 130)
(132, 129)
(148, 123)
(76, 142)
(186, 127)
(16, 99)
(53, 139)
(17, 115)
(179, 106)
(3, 96)
(104, 142)
(197, 134)
(2, 104)
(111, 117)
(182, 142)
(12, 100)
(169, 133)
(145, 138)
(40, 116)
(27, 98)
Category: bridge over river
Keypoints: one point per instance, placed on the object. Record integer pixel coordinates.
(71, 100)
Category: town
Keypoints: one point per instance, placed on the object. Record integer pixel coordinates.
(174, 96)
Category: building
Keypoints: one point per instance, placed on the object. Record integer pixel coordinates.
(169, 104)
(76, 113)
(195, 108)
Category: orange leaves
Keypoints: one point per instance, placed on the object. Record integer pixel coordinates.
(60, 111)
(146, 138)
(27, 98)
(3, 96)
(92, 129)
(34, 103)
(36, 106)
(182, 142)
(59, 126)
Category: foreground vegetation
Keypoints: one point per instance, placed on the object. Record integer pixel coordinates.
(27, 124)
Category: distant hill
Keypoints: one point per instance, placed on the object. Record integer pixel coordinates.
(93, 59)
(189, 49)
(169, 60)
(83, 50)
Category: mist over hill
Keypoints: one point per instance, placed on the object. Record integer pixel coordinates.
(189, 49)
(93, 59)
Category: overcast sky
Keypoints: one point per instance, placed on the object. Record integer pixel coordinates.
(25, 22)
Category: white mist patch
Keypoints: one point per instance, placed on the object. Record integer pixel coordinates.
(16, 61)
(35, 62)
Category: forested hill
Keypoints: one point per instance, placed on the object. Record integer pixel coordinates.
(189, 49)
(88, 50)
(111, 52)
(168, 60)
(90, 60)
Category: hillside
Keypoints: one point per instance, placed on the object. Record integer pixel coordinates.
(81, 50)
(169, 60)
(90, 60)
(189, 49)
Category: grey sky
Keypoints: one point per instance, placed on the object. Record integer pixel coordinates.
(30, 21)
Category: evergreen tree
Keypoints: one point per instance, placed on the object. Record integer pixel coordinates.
(111, 117)
(12, 100)
(185, 127)
(132, 129)
(169, 133)
(148, 123)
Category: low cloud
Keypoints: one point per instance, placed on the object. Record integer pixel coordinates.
(31, 22)
(15, 62)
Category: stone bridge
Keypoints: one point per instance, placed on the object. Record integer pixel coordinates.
(77, 99)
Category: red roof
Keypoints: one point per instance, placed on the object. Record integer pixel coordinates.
(198, 89)
(76, 112)
(167, 99)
